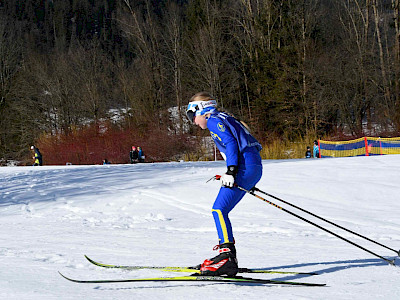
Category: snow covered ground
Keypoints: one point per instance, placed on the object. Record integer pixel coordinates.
(160, 214)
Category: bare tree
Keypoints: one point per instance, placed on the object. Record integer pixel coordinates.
(396, 18)
(308, 16)
(95, 80)
(209, 49)
(10, 64)
(141, 28)
(175, 54)
(256, 22)
(386, 90)
(356, 95)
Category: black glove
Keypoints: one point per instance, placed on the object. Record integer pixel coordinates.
(232, 170)
(228, 179)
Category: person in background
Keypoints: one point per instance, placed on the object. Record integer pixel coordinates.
(316, 149)
(140, 155)
(106, 162)
(308, 152)
(244, 168)
(37, 158)
(133, 155)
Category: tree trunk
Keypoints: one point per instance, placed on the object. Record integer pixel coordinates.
(381, 58)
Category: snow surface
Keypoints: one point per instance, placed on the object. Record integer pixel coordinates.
(160, 214)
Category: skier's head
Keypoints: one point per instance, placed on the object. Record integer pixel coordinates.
(133, 148)
(32, 147)
(200, 104)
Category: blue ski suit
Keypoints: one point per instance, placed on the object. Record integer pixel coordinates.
(240, 149)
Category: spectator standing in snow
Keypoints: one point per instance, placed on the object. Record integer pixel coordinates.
(106, 162)
(242, 154)
(140, 155)
(316, 149)
(133, 155)
(308, 152)
(37, 158)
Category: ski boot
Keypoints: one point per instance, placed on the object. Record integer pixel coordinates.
(225, 263)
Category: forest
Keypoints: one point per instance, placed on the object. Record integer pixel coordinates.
(291, 69)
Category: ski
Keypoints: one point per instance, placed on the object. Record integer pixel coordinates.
(192, 269)
(195, 277)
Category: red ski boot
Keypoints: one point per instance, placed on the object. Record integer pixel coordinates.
(223, 264)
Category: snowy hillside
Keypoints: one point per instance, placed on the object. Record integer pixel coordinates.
(160, 214)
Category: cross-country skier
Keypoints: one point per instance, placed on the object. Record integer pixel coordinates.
(37, 158)
(316, 149)
(241, 152)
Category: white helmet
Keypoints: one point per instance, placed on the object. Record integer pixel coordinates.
(198, 108)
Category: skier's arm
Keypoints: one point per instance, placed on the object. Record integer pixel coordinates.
(225, 137)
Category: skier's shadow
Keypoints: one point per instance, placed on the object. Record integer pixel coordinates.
(331, 266)
(176, 285)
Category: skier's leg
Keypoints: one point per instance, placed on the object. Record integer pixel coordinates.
(226, 262)
(226, 200)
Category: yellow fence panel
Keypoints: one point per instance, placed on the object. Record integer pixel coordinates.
(365, 146)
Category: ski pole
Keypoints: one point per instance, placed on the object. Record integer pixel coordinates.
(323, 219)
(217, 177)
(316, 225)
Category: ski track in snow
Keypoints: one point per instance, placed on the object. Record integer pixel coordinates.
(160, 214)
(178, 204)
